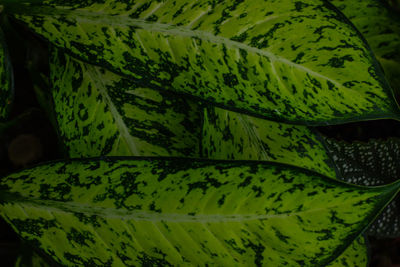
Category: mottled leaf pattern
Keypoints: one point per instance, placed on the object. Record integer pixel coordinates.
(158, 211)
(370, 164)
(6, 79)
(230, 135)
(356, 255)
(381, 28)
(101, 113)
(292, 61)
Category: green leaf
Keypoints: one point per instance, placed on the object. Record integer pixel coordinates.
(370, 164)
(101, 113)
(231, 135)
(381, 28)
(291, 61)
(138, 211)
(355, 255)
(6, 79)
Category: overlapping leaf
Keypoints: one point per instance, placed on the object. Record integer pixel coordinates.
(165, 212)
(293, 61)
(101, 113)
(6, 79)
(369, 164)
(381, 28)
(231, 135)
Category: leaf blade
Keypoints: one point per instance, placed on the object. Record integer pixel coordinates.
(172, 51)
(198, 218)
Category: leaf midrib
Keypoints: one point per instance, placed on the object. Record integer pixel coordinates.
(120, 20)
(73, 207)
(122, 128)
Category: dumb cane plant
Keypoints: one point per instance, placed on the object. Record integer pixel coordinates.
(191, 128)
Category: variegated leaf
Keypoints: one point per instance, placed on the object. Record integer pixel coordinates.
(101, 113)
(370, 164)
(138, 211)
(381, 28)
(230, 135)
(6, 79)
(292, 61)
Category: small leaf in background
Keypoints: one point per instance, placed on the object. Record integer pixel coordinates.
(370, 164)
(101, 113)
(164, 212)
(290, 61)
(381, 29)
(6, 79)
(231, 135)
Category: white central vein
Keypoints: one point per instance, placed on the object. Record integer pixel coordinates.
(123, 129)
(184, 31)
(123, 214)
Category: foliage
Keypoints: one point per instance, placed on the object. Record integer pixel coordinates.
(211, 104)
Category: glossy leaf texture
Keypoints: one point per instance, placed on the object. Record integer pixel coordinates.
(370, 164)
(231, 135)
(381, 28)
(356, 255)
(101, 113)
(290, 61)
(6, 79)
(161, 211)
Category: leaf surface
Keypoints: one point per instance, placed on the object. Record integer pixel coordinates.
(381, 28)
(169, 211)
(290, 61)
(6, 79)
(101, 113)
(231, 135)
(370, 164)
